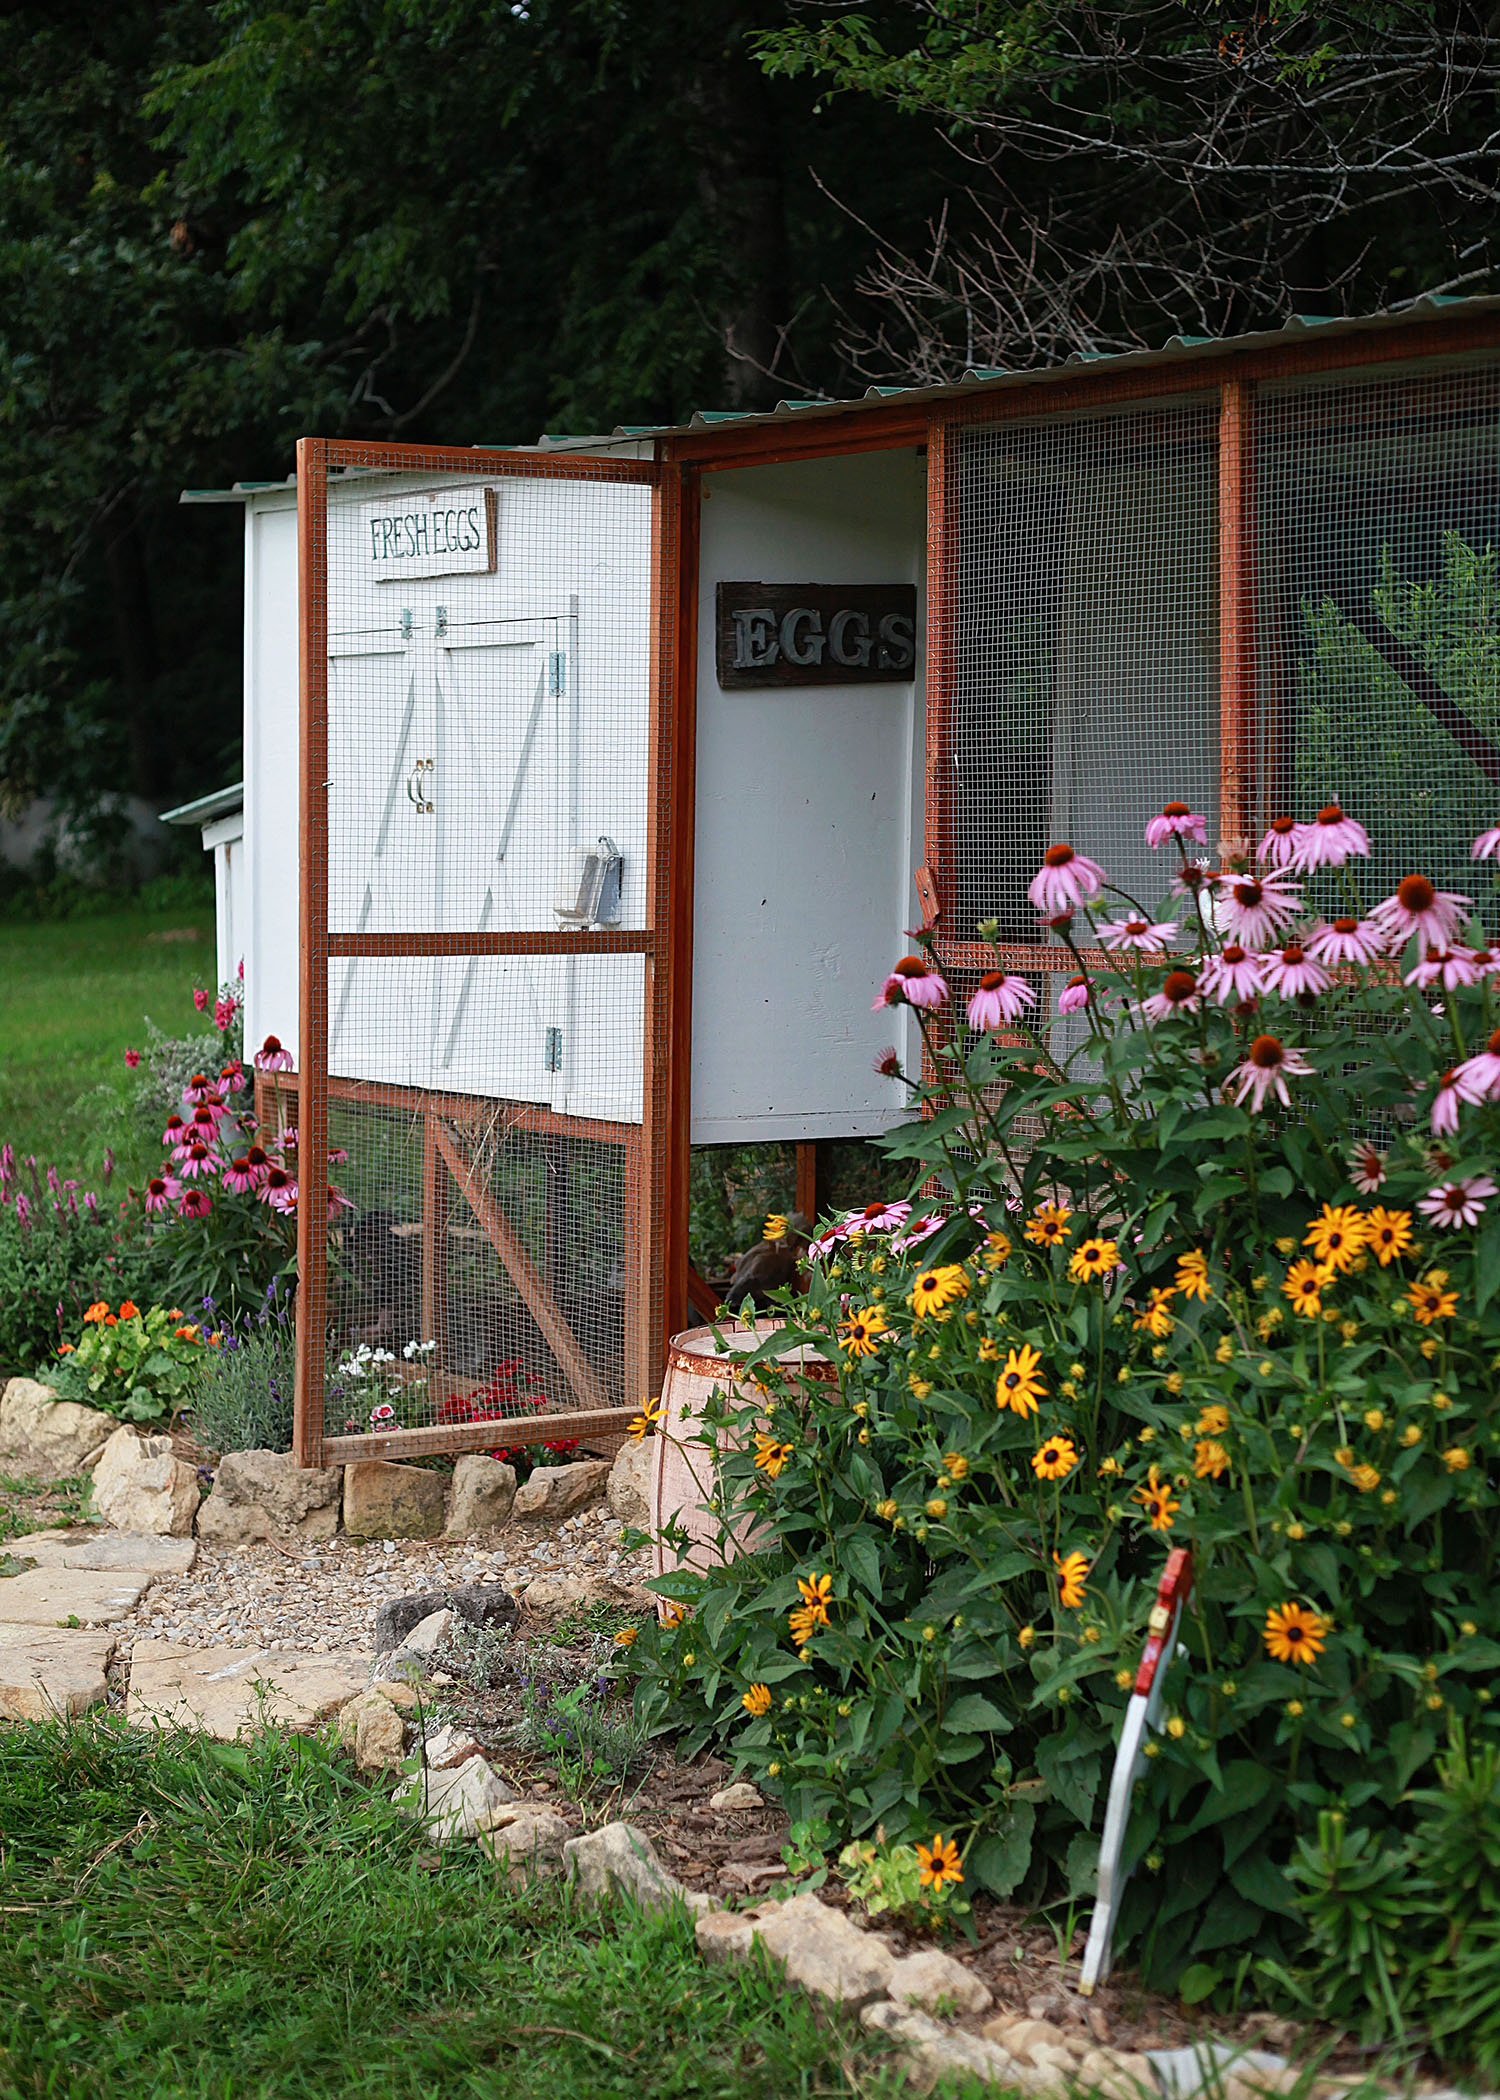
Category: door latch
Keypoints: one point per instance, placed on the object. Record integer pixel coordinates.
(554, 1050)
(419, 787)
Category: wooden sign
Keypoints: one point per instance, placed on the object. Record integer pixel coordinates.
(429, 532)
(816, 634)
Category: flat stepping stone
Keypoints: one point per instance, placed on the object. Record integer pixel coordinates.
(229, 1692)
(123, 1552)
(48, 1671)
(45, 1596)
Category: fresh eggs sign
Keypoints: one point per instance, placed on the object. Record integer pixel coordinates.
(816, 634)
(429, 532)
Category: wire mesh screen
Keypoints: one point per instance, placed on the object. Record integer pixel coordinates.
(1378, 673)
(1080, 628)
(494, 811)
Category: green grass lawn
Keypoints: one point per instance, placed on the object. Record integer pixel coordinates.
(194, 1919)
(73, 994)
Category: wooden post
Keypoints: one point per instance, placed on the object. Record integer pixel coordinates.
(312, 1015)
(434, 1243)
(807, 1180)
(1237, 608)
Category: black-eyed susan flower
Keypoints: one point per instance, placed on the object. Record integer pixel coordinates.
(1055, 1459)
(1156, 1500)
(1049, 1225)
(1365, 1478)
(1020, 1383)
(770, 1454)
(775, 1227)
(812, 1613)
(860, 1332)
(936, 1289)
(757, 1700)
(1430, 1298)
(1338, 1236)
(1457, 1459)
(1293, 1634)
(940, 1864)
(625, 1638)
(1192, 1275)
(1390, 1234)
(996, 1250)
(647, 1419)
(955, 1465)
(1093, 1259)
(1072, 1577)
(1210, 1459)
(1154, 1318)
(1212, 1420)
(1304, 1286)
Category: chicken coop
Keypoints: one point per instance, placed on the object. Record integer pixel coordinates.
(589, 785)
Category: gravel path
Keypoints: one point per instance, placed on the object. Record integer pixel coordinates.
(324, 1597)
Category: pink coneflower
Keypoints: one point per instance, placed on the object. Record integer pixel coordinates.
(194, 1159)
(876, 1217)
(1482, 1072)
(1344, 941)
(201, 997)
(132, 1058)
(1233, 974)
(1178, 996)
(913, 982)
(1139, 934)
(1256, 907)
(1453, 1088)
(923, 1229)
(274, 1183)
(206, 1119)
(1195, 876)
(1419, 907)
(289, 1138)
(231, 1076)
(337, 1201)
(1449, 967)
(1075, 993)
(1486, 845)
(196, 1203)
(175, 1131)
(1457, 1202)
(198, 1088)
(1266, 1069)
(999, 1000)
(1278, 849)
(1176, 821)
(1064, 880)
(337, 1156)
(271, 1057)
(1294, 972)
(259, 1163)
(238, 1178)
(1329, 839)
(162, 1191)
(1367, 1169)
(888, 1064)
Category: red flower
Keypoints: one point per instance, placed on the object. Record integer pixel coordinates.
(132, 1058)
(200, 998)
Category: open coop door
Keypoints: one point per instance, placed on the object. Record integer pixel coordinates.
(484, 860)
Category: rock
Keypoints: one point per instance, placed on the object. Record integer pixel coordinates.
(732, 1800)
(456, 1803)
(480, 1603)
(484, 1489)
(1019, 2035)
(267, 1495)
(228, 1692)
(48, 1436)
(428, 1635)
(385, 1501)
(935, 2052)
(934, 1982)
(1054, 2056)
(617, 1859)
(141, 1485)
(52, 1596)
(526, 1838)
(628, 1489)
(821, 1949)
(448, 1747)
(47, 1671)
(553, 1597)
(111, 1552)
(371, 1723)
(554, 1492)
(403, 1696)
(1117, 2074)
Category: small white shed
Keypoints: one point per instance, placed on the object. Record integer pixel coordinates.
(220, 817)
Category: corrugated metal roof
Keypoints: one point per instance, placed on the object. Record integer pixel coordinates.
(222, 800)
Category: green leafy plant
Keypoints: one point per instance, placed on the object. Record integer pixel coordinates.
(244, 1395)
(140, 1366)
(916, 1884)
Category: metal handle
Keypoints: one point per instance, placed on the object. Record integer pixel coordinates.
(418, 790)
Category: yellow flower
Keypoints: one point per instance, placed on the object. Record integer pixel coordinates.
(1210, 1460)
(1348, 1721)
(1374, 1418)
(1365, 1478)
(1213, 1420)
(1294, 1709)
(1411, 1434)
(1304, 1282)
(920, 1387)
(939, 1863)
(773, 1771)
(989, 1349)
(672, 1614)
(1072, 1577)
(1337, 1236)
(1349, 1329)
(1155, 1320)
(1174, 1381)
(770, 1454)
(860, 1332)
(937, 1507)
(625, 1638)
(1285, 1246)
(1293, 1634)
(1050, 1225)
(1296, 1530)
(1389, 1497)
(1192, 1275)
(1224, 1353)
(1155, 1499)
(936, 1288)
(1456, 1459)
(996, 1250)
(1093, 1259)
(1069, 1389)
(1430, 1300)
(1020, 1383)
(1467, 1626)
(802, 1624)
(774, 1227)
(887, 1509)
(757, 1700)
(1056, 1458)
(1442, 1402)
(957, 1465)
(649, 1416)
(815, 1593)
(1177, 1728)
(1124, 1679)
(1389, 1234)
(1026, 1636)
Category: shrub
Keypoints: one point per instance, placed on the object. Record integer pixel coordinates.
(62, 1247)
(1156, 1304)
(243, 1398)
(140, 1366)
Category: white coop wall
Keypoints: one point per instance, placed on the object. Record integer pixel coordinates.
(268, 926)
(809, 817)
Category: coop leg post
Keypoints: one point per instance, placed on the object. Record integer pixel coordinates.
(807, 1180)
(637, 1267)
(434, 1247)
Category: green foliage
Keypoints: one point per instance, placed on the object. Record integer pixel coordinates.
(140, 1366)
(886, 1877)
(57, 1256)
(243, 1396)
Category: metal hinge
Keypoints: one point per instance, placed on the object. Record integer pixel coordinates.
(406, 623)
(440, 624)
(556, 673)
(554, 1050)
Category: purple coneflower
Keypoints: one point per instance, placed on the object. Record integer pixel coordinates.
(1267, 1066)
(1064, 880)
(337, 1156)
(1449, 967)
(913, 982)
(923, 1229)
(337, 1201)
(260, 1164)
(1233, 974)
(1141, 934)
(175, 1131)
(231, 1076)
(1278, 849)
(1457, 1202)
(999, 1000)
(1256, 907)
(196, 1203)
(1075, 993)
(1294, 972)
(1344, 941)
(162, 1191)
(875, 1217)
(198, 1088)
(1329, 839)
(1367, 1169)
(1482, 1071)
(1178, 996)
(1176, 821)
(1486, 845)
(272, 1057)
(238, 1177)
(194, 1159)
(1419, 907)
(1453, 1087)
(279, 1189)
